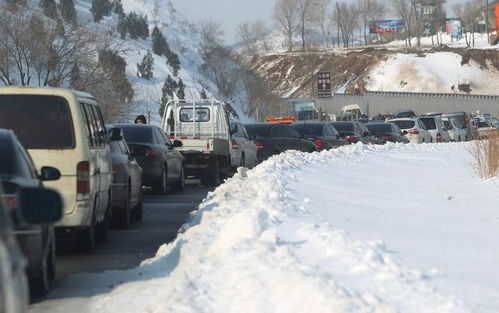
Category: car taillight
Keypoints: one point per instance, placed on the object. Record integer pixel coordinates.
(151, 152)
(10, 201)
(387, 138)
(318, 143)
(439, 137)
(351, 138)
(234, 144)
(414, 131)
(83, 177)
(258, 144)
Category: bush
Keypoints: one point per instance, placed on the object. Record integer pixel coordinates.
(486, 154)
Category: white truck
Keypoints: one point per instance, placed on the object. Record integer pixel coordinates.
(203, 127)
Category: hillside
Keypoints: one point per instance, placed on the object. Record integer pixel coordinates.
(445, 70)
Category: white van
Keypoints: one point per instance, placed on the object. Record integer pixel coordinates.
(65, 129)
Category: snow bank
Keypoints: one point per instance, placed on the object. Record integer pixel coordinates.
(360, 229)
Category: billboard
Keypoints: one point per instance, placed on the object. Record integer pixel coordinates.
(386, 26)
(454, 28)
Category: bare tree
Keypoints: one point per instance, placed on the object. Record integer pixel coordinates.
(370, 10)
(404, 10)
(304, 12)
(286, 16)
(346, 15)
(320, 16)
(254, 36)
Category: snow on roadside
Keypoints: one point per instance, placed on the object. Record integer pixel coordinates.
(268, 241)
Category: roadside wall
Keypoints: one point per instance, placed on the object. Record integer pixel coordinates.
(374, 102)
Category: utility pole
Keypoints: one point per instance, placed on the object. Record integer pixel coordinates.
(487, 21)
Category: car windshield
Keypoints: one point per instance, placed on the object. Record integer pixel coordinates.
(429, 123)
(379, 128)
(483, 124)
(138, 134)
(404, 124)
(343, 127)
(40, 122)
(309, 130)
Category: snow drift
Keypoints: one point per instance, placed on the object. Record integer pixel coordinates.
(395, 228)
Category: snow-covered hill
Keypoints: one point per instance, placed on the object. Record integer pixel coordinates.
(182, 37)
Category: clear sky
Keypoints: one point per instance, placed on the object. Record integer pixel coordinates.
(229, 13)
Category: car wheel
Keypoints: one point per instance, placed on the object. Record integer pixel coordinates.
(102, 228)
(138, 210)
(85, 238)
(40, 284)
(123, 219)
(160, 187)
(180, 184)
(212, 178)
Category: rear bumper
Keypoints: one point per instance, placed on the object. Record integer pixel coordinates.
(81, 216)
(152, 168)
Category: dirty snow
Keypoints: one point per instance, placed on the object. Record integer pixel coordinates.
(432, 72)
(359, 229)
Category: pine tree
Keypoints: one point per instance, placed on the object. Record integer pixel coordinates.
(118, 7)
(181, 89)
(146, 68)
(174, 63)
(16, 4)
(122, 26)
(68, 11)
(159, 44)
(203, 94)
(100, 8)
(49, 8)
(168, 91)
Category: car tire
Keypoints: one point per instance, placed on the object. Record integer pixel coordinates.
(85, 238)
(123, 219)
(40, 284)
(180, 183)
(138, 211)
(161, 185)
(212, 178)
(102, 228)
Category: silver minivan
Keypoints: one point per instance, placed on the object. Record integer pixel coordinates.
(65, 129)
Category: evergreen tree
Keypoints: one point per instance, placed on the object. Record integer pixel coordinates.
(203, 94)
(159, 44)
(68, 11)
(146, 68)
(174, 63)
(49, 8)
(100, 8)
(118, 7)
(181, 90)
(16, 4)
(75, 77)
(122, 26)
(168, 91)
(114, 67)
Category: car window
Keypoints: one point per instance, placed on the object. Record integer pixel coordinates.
(328, 131)
(279, 131)
(100, 131)
(336, 133)
(202, 114)
(483, 124)
(138, 134)
(404, 124)
(344, 127)
(40, 122)
(5, 158)
(308, 130)
(124, 147)
(88, 125)
(429, 123)
(243, 130)
(115, 147)
(291, 133)
(92, 124)
(379, 128)
(259, 130)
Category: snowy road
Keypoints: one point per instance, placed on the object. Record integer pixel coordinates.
(381, 229)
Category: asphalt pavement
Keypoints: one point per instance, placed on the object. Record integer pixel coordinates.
(163, 215)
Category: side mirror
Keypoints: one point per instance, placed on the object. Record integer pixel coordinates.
(115, 134)
(48, 173)
(40, 206)
(177, 144)
(234, 129)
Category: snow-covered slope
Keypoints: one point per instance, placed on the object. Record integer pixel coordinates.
(182, 37)
(414, 230)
